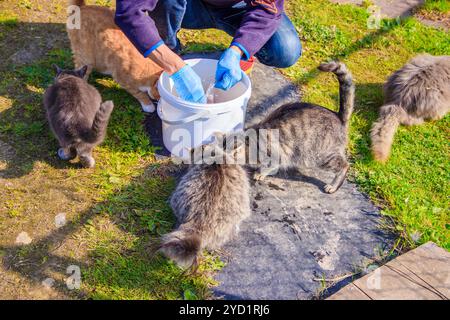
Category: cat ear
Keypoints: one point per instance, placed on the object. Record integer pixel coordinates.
(82, 71)
(58, 70)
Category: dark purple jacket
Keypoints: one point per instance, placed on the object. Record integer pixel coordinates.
(258, 24)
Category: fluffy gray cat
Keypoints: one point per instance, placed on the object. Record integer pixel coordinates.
(76, 115)
(209, 203)
(311, 136)
(419, 91)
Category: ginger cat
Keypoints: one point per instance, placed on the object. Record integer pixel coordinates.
(103, 47)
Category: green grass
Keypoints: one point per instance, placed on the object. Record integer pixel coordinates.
(413, 186)
(442, 6)
(119, 209)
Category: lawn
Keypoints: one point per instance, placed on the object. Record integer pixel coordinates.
(442, 6)
(117, 211)
(413, 186)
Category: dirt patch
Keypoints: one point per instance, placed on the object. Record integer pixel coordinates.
(40, 28)
(434, 19)
(6, 151)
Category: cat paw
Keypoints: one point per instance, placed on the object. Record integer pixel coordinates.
(329, 188)
(63, 156)
(148, 108)
(87, 162)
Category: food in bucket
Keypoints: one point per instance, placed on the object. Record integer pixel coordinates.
(187, 125)
(210, 93)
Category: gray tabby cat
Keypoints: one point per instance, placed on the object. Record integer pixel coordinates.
(209, 203)
(419, 91)
(311, 136)
(76, 115)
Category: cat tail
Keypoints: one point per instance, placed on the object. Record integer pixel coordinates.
(79, 3)
(100, 122)
(383, 130)
(182, 246)
(346, 89)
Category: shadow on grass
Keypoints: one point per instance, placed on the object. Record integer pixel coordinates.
(363, 43)
(123, 232)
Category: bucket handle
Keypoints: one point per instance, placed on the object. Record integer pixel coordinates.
(184, 120)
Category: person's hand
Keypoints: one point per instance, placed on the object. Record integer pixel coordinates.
(228, 71)
(188, 85)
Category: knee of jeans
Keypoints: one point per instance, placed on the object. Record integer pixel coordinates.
(289, 51)
(172, 2)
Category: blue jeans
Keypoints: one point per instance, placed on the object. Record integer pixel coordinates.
(282, 50)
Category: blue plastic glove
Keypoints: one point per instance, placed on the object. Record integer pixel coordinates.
(228, 71)
(189, 85)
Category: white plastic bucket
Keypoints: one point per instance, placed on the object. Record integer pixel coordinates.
(188, 125)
